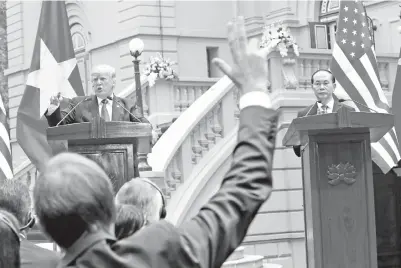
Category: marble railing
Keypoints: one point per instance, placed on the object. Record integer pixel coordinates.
(166, 100)
(194, 133)
(294, 73)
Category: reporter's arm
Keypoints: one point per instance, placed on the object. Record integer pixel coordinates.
(211, 236)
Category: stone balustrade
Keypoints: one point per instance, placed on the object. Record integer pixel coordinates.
(194, 133)
(166, 100)
(294, 73)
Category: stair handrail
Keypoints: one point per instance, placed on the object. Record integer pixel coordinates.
(168, 144)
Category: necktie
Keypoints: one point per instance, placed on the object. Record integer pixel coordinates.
(104, 113)
(324, 109)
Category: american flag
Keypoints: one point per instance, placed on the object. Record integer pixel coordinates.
(354, 66)
(6, 171)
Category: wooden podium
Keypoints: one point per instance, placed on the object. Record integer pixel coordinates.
(120, 147)
(338, 186)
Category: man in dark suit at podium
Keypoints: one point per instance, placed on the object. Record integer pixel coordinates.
(323, 84)
(103, 103)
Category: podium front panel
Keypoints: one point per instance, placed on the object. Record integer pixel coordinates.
(339, 201)
(116, 159)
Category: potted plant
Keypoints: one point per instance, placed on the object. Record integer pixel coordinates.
(160, 68)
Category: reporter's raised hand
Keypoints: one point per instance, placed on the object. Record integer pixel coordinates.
(249, 71)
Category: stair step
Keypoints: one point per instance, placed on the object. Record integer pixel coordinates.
(249, 261)
(271, 265)
(237, 254)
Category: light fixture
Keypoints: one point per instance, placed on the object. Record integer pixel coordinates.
(136, 46)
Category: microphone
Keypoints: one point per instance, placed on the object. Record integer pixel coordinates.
(343, 100)
(311, 108)
(122, 106)
(73, 108)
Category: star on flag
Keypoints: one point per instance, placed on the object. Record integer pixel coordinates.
(52, 77)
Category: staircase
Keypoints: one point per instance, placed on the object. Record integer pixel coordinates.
(239, 260)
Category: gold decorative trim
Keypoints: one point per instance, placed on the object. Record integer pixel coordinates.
(341, 173)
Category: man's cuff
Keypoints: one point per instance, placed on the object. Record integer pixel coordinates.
(255, 98)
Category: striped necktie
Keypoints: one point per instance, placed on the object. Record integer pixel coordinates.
(323, 109)
(104, 113)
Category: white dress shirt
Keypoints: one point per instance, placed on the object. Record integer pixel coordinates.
(255, 98)
(109, 106)
(329, 105)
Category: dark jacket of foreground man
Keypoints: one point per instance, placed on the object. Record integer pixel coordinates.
(33, 256)
(210, 237)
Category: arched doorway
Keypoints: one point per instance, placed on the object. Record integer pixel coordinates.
(387, 190)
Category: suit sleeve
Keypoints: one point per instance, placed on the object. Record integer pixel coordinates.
(138, 118)
(297, 148)
(55, 117)
(211, 236)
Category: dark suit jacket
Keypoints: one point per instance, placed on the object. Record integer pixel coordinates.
(33, 256)
(89, 109)
(220, 226)
(312, 110)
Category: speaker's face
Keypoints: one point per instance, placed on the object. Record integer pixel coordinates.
(323, 86)
(103, 84)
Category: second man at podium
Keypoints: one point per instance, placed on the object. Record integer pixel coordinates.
(323, 84)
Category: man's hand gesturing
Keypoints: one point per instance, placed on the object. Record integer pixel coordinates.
(249, 72)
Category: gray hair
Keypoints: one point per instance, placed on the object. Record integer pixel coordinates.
(72, 194)
(104, 68)
(144, 196)
(15, 198)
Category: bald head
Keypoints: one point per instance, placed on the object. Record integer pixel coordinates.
(144, 195)
(72, 194)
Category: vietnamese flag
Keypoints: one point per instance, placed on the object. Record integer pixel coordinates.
(53, 69)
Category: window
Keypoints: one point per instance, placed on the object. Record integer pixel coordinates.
(78, 42)
(79, 45)
(323, 33)
(211, 53)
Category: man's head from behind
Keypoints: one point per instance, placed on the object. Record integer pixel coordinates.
(15, 198)
(129, 220)
(73, 195)
(146, 196)
(103, 80)
(323, 84)
(9, 241)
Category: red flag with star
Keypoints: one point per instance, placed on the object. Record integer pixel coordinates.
(53, 69)
(354, 66)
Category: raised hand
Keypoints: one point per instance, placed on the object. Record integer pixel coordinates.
(249, 71)
(55, 100)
